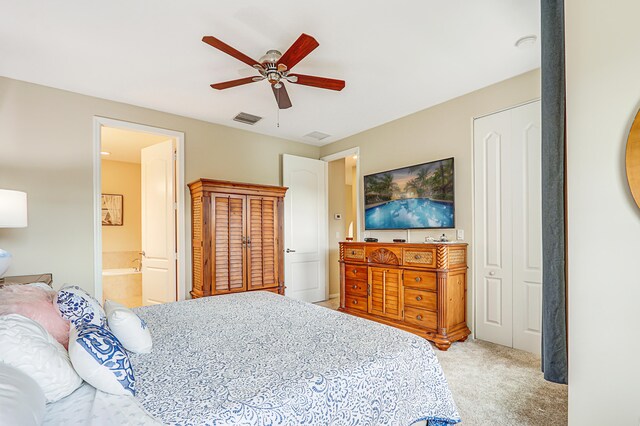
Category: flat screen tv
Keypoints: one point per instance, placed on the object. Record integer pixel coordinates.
(414, 197)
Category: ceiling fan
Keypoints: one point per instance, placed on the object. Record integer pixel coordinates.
(276, 67)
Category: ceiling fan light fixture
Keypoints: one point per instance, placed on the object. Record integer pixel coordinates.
(271, 57)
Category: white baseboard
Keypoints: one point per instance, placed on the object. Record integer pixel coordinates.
(333, 296)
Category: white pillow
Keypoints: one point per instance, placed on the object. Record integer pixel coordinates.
(22, 402)
(76, 305)
(100, 359)
(26, 345)
(128, 327)
(43, 286)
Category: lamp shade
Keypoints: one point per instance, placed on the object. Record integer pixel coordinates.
(13, 209)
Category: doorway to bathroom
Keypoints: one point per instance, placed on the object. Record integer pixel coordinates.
(343, 187)
(139, 213)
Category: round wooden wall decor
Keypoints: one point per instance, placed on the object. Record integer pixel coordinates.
(633, 159)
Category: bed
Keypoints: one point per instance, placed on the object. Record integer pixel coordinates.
(263, 359)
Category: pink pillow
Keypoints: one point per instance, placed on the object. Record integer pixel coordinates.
(37, 304)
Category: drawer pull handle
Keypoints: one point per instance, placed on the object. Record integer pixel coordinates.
(418, 256)
(419, 317)
(355, 271)
(355, 302)
(418, 298)
(354, 286)
(418, 279)
(353, 252)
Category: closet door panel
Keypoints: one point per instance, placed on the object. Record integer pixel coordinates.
(493, 229)
(262, 244)
(229, 213)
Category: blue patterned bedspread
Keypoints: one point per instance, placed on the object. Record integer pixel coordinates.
(262, 359)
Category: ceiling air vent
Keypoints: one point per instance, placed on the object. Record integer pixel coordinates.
(317, 135)
(245, 118)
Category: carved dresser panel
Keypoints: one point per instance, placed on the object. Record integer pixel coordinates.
(420, 288)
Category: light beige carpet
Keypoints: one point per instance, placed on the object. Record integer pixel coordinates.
(494, 385)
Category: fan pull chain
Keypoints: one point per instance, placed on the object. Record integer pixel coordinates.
(278, 106)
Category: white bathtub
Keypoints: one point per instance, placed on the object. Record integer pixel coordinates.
(121, 271)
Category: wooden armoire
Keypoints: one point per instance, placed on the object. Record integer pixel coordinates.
(237, 233)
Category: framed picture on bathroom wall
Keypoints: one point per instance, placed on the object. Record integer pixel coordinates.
(112, 210)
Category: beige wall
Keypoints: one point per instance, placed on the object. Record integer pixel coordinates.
(603, 96)
(337, 198)
(46, 149)
(123, 178)
(442, 131)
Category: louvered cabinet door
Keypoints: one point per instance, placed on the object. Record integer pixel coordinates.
(229, 212)
(385, 292)
(262, 243)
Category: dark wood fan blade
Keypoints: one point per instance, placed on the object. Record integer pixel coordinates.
(298, 50)
(233, 83)
(220, 45)
(282, 97)
(321, 82)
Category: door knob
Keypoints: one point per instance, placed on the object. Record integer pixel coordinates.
(143, 253)
(290, 251)
(492, 273)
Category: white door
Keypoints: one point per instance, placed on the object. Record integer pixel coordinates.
(493, 268)
(158, 224)
(305, 228)
(527, 228)
(508, 229)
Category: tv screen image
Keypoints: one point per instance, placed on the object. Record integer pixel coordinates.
(414, 197)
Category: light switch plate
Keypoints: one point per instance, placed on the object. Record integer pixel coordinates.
(460, 234)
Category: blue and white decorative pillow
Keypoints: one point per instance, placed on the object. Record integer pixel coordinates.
(78, 306)
(100, 359)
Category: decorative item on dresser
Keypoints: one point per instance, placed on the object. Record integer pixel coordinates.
(236, 237)
(419, 288)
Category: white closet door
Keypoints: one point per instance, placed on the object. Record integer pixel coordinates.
(493, 259)
(527, 228)
(508, 231)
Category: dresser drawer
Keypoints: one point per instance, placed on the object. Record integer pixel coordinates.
(420, 299)
(420, 317)
(419, 257)
(358, 303)
(420, 279)
(355, 287)
(353, 272)
(353, 253)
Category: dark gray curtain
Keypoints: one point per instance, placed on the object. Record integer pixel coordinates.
(554, 291)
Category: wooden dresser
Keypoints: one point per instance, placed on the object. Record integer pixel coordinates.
(419, 288)
(236, 233)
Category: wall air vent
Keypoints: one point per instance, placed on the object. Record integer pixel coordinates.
(245, 118)
(317, 135)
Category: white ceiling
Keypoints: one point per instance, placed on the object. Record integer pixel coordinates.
(396, 57)
(125, 145)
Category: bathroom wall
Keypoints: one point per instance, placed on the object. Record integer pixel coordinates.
(121, 244)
